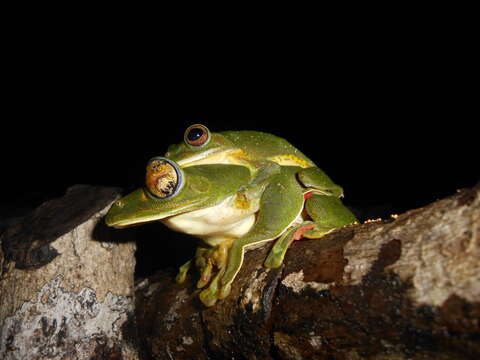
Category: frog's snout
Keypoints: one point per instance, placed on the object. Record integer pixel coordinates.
(112, 215)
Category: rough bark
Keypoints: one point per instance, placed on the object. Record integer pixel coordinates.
(402, 288)
(65, 284)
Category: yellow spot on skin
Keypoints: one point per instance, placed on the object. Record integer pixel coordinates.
(238, 157)
(241, 201)
(240, 154)
(290, 160)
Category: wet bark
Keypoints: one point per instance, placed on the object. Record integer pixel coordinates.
(401, 288)
(66, 284)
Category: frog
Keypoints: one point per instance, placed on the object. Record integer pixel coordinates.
(260, 189)
(260, 152)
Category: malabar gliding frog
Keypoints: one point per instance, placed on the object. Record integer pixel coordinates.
(234, 190)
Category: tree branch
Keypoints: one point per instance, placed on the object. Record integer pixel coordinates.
(405, 288)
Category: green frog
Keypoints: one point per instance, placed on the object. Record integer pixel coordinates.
(234, 190)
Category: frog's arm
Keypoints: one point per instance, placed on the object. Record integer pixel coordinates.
(279, 249)
(327, 213)
(266, 170)
(281, 203)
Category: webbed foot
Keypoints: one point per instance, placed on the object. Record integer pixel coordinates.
(212, 263)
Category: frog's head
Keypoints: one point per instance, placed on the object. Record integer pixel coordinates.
(171, 190)
(200, 146)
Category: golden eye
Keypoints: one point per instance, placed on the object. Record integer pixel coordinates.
(197, 135)
(164, 178)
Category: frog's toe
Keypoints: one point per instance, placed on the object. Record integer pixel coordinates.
(205, 276)
(210, 295)
(225, 291)
(318, 231)
(208, 298)
(182, 272)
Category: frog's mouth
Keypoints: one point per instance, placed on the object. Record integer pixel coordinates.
(139, 208)
(213, 156)
(121, 221)
(118, 223)
(127, 224)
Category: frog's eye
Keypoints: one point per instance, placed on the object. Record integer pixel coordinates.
(164, 178)
(197, 135)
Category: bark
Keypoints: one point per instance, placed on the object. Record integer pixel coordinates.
(65, 284)
(401, 288)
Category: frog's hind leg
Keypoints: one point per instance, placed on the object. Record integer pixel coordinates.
(328, 213)
(281, 203)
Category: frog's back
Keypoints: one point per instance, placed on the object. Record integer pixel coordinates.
(260, 145)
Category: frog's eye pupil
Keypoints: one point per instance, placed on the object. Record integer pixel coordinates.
(195, 134)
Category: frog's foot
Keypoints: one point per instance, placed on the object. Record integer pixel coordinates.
(318, 231)
(210, 261)
(215, 290)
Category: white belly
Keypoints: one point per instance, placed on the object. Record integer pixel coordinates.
(215, 223)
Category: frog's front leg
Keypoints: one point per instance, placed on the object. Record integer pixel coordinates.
(281, 203)
(279, 249)
(328, 214)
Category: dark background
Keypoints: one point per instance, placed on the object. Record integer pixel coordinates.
(392, 119)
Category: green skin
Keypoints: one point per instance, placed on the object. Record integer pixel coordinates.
(262, 175)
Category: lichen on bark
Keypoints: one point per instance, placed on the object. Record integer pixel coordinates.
(77, 303)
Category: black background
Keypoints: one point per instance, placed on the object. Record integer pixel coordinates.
(391, 119)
